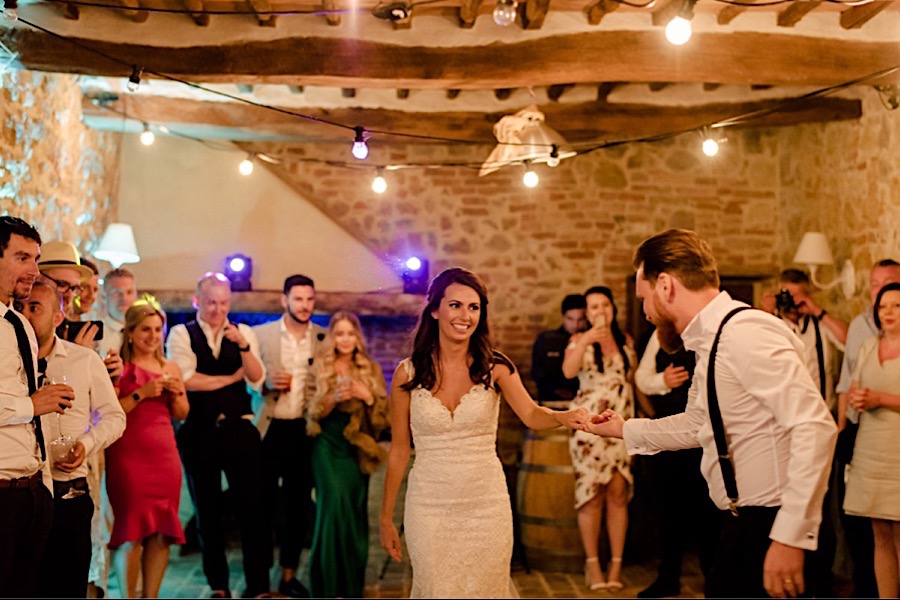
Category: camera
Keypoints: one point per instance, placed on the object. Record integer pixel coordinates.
(784, 301)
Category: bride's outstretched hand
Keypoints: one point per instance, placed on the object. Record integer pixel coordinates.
(608, 423)
(390, 540)
(577, 418)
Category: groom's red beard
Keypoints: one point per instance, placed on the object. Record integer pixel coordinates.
(669, 339)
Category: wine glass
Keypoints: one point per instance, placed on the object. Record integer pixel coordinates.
(61, 448)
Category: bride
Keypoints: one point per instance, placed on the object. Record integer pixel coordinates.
(446, 398)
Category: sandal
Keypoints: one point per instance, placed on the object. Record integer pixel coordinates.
(600, 585)
(615, 585)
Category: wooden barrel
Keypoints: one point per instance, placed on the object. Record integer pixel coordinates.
(545, 501)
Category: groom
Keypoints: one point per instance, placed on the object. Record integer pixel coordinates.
(780, 435)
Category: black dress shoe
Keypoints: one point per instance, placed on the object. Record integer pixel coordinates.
(292, 589)
(660, 589)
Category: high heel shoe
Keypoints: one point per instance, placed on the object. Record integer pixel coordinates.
(614, 585)
(600, 585)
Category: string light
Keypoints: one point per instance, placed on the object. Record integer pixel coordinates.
(10, 10)
(530, 178)
(246, 166)
(710, 147)
(360, 150)
(679, 29)
(134, 80)
(505, 12)
(553, 161)
(147, 137)
(379, 185)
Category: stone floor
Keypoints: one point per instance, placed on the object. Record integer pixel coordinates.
(184, 577)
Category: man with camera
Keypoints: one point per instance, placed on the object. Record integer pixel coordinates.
(823, 336)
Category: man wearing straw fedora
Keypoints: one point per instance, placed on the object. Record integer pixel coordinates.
(61, 262)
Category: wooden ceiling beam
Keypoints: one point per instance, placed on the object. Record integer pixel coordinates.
(71, 11)
(468, 12)
(596, 12)
(555, 92)
(658, 86)
(452, 94)
(857, 16)
(333, 18)
(534, 14)
(200, 18)
(576, 122)
(627, 56)
(263, 6)
(664, 11)
(402, 93)
(795, 11)
(135, 11)
(731, 11)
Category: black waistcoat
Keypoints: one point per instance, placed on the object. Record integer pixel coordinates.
(233, 400)
(675, 401)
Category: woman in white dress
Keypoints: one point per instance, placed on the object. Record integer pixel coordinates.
(446, 398)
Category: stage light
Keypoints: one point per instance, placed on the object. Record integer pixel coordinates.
(239, 271)
(415, 275)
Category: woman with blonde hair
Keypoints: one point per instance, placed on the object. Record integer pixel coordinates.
(348, 412)
(143, 470)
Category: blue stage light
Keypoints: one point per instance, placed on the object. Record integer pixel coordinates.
(239, 270)
(415, 275)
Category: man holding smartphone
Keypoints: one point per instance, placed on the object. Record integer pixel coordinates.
(61, 263)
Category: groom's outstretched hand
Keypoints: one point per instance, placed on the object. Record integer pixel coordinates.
(390, 540)
(608, 424)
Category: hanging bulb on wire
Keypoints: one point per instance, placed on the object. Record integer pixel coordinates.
(10, 10)
(360, 150)
(147, 137)
(505, 12)
(679, 29)
(553, 161)
(246, 166)
(379, 185)
(530, 178)
(710, 147)
(134, 80)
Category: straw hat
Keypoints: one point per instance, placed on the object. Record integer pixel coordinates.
(63, 255)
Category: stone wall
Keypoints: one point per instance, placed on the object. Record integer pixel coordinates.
(578, 228)
(55, 172)
(843, 179)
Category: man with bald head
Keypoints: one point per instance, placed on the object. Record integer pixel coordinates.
(95, 420)
(218, 360)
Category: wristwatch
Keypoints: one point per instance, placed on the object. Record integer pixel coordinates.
(136, 397)
(244, 348)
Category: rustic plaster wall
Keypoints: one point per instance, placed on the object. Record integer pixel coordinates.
(54, 172)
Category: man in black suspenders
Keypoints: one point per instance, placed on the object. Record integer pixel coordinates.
(766, 435)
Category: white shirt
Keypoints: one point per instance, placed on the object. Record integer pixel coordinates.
(647, 378)
(94, 394)
(295, 360)
(811, 357)
(112, 336)
(20, 455)
(178, 348)
(781, 435)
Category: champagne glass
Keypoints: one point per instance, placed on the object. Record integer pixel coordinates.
(61, 448)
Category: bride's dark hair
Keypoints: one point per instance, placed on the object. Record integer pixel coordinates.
(426, 350)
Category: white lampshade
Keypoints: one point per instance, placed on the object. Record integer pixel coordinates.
(525, 137)
(117, 245)
(814, 250)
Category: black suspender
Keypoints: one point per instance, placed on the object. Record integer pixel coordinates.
(820, 353)
(715, 416)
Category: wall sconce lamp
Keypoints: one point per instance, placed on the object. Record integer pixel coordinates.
(117, 245)
(815, 252)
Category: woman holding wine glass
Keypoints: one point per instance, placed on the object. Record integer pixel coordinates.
(143, 467)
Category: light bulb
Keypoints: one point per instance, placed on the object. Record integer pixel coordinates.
(9, 10)
(553, 160)
(246, 167)
(359, 150)
(530, 179)
(679, 31)
(379, 185)
(413, 263)
(147, 137)
(710, 147)
(134, 80)
(505, 12)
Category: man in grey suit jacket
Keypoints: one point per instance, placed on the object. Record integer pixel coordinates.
(287, 348)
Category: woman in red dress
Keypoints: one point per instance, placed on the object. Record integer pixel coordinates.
(143, 470)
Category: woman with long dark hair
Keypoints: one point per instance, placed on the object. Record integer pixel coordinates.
(446, 398)
(604, 361)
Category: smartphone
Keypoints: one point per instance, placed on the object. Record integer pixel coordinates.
(69, 329)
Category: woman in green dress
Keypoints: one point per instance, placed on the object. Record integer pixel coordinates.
(348, 412)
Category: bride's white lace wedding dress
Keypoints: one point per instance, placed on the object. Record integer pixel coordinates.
(458, 518)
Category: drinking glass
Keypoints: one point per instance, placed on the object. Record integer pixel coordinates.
(61, 448)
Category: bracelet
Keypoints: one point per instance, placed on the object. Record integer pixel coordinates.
(245, 348)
